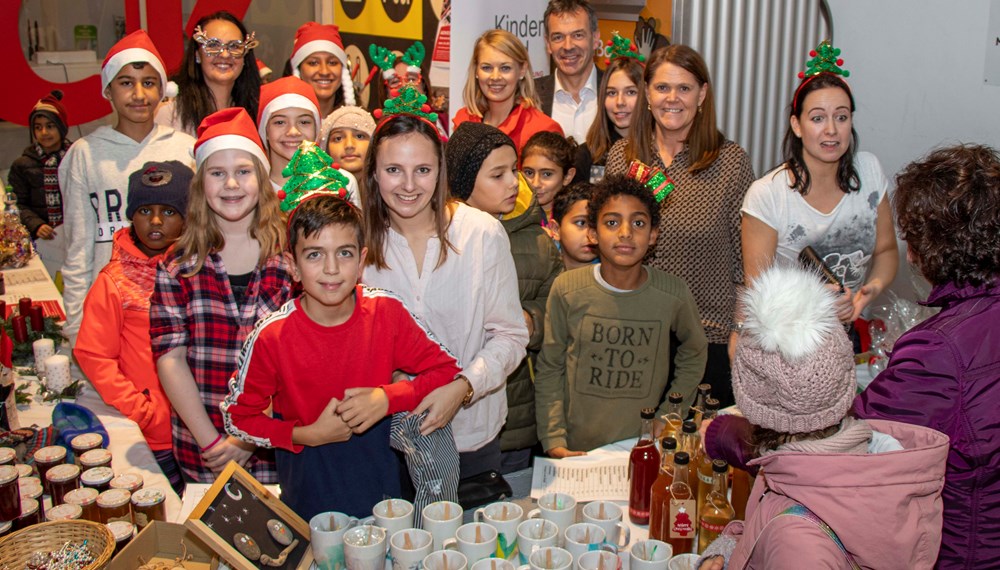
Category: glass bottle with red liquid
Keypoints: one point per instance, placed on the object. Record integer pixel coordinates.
(660, 494)
(643, 467)
(682, 515)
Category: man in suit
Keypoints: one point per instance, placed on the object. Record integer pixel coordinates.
(570, 94)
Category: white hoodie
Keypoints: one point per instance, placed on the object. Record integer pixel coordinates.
(93, 178)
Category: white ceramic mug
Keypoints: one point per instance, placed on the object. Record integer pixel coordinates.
(442, 519)
(533, 534)
(465, 541)
(494, 564)
(599, 560)
(445, 560)
(615, 531)
(408, 548)
(559, 508)
(683, 562)
(401, 515)
(650, 555)
(364, 548)
(327, 538)
(550, 558)
(505, 517)
(585, 537)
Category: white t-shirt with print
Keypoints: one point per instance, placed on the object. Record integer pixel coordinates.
(844, 238)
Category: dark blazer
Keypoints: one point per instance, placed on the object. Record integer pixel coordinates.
(545, 87)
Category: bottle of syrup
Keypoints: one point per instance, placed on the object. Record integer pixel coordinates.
(690, 441)
(703, 461)
(682, 515)
(660, 495)
(717, 512)
(673, 416)
(698, 409)
(643, 467)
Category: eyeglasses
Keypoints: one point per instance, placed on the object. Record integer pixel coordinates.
(214, 46)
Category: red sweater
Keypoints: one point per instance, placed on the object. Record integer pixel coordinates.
(520, 124)
(113, 347)
(298, 365)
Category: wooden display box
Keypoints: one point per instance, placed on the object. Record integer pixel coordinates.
(161, 542)
(238, 503)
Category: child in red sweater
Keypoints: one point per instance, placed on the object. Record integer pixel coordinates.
(325, 362)
(113, 347)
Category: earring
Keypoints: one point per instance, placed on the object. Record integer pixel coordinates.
(699, 109)
(648, 106)
(197, 59)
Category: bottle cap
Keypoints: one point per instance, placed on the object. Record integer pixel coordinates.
(675, 398)
(689, 427)
(669, 442)
(719, 466)
(711, 404)
(647, 413)
(682, 458)
(704, 389)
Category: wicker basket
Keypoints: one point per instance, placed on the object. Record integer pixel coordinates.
(16, 548)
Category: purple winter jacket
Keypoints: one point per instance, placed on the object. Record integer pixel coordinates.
(943, 373)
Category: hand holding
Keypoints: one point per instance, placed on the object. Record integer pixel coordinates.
(442, 404)
(362, 408)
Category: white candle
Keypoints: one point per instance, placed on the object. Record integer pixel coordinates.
(43, 348)
(57, 376)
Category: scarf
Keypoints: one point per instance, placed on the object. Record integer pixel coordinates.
(852, 437)
(50, 181)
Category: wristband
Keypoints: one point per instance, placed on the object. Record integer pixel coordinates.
(213, 444)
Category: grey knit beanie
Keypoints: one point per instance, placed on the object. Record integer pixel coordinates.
(794, 366)
(468, 148)
(165, 183)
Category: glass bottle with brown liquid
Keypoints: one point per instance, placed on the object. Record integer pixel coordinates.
(690, 441)
(717, 512)
(660, 493)
(643, 467)
(703, 461)
(673, 417)
(698, 409)
(681, 508)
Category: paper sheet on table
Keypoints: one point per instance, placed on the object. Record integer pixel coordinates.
(598, 475)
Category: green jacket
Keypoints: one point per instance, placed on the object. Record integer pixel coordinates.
(537, 262)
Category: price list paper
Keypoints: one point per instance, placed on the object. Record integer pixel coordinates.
(583, 479)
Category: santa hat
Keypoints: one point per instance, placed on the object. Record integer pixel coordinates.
(263, 69)
(136, 47)
(285, 93)
(313, 37)
(230, 128)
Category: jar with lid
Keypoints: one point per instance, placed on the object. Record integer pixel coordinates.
(10, 493)
(114, 505)
(123, 532)
(6, 528)
(31, 513)
(95, 458)
(148, 505)
(62, 479)
(97, 478)
(31, 488)
(131, 482)
(47, 458)
(84, 443)
(24, 470)
(87, 499)
(7, 456)
(64, 512)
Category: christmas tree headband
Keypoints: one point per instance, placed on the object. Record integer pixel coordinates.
(311, 173)
(406, 101)
(652, 178)
(825, 60)
(622, 47)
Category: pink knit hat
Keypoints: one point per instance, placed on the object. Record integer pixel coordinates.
(794, 366)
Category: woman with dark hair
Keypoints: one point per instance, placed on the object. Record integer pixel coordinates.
(219, 71)
(699, 237)
(826, 195)
(619, 90)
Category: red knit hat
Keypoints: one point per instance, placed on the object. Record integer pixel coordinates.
(51, 107)
(230, 128)
(284, 93)
(136, 47)
(313, 37)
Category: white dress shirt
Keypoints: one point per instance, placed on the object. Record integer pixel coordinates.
(575, 118)
(471, 304)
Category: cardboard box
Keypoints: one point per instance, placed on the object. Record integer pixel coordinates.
(161, 542)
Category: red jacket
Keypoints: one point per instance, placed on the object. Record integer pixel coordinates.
(520, 124)
(113, 347)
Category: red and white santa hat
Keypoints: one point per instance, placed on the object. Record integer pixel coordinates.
(136, 47)
(313, 37)
(263, 69)
(285, 93)
(228, 129)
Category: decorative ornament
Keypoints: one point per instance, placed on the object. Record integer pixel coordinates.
(311, 172)
(234, 496)
(384, 59)
(825, 59)
(72, 556)
(653, 178)
(247, 546)
(279, 532)
(15, 242)
(408, 101)
(619, 46)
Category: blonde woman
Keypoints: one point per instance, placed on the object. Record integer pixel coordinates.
(500, 91)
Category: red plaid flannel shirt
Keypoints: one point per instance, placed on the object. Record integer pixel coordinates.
(200, 313)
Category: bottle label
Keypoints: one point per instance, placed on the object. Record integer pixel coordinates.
(681, 513)
(706, 479)
(716, 528)
(638, 514)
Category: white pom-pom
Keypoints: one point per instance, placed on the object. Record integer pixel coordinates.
(789, 310)
(347, 84)
(171, 91)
